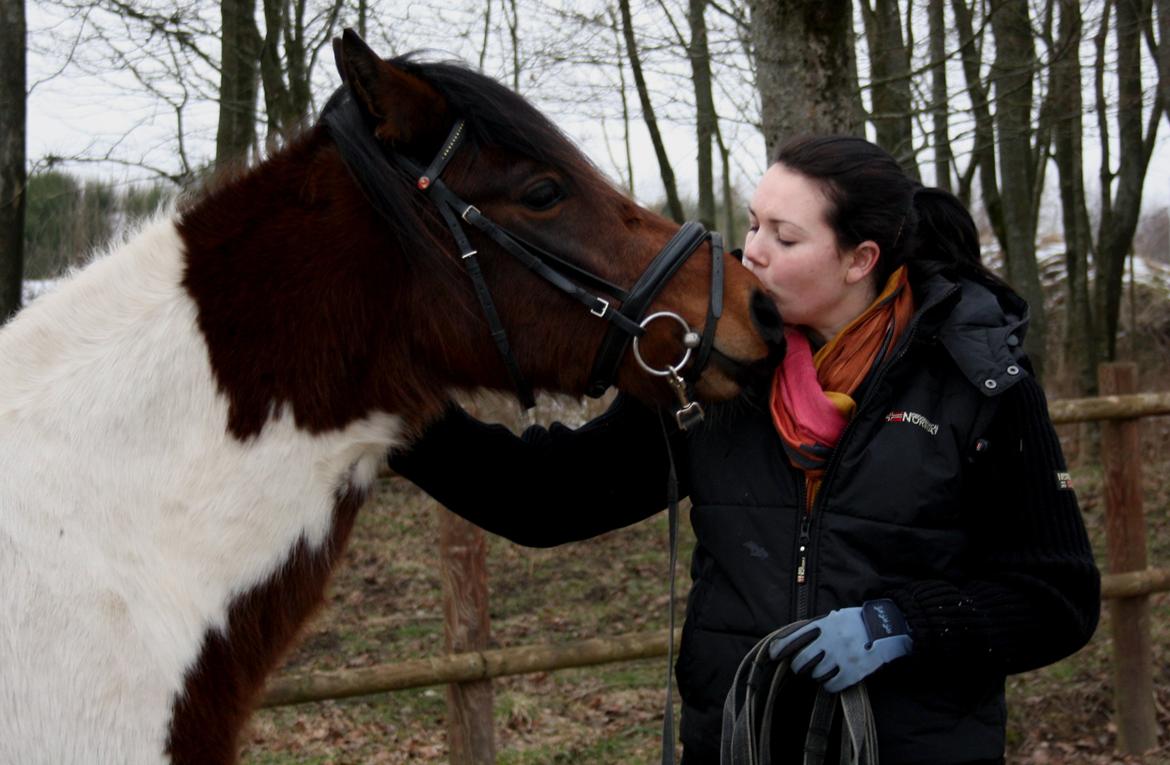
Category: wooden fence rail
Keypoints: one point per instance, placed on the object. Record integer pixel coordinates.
(464, 667)
(1127, 586)
(303, 688)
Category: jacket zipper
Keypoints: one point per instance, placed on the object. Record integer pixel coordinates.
(802, 567)
(803, 575)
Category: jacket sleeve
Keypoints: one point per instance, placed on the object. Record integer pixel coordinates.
(546, 486)
(1035, 596)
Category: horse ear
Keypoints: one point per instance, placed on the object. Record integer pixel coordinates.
(403, 106)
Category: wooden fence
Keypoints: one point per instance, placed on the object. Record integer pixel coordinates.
(468, 669)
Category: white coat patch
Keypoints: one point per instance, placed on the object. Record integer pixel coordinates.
(129, 517)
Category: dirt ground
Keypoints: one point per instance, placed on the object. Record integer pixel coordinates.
(385, 606)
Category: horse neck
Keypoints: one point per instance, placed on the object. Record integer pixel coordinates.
(304, 297)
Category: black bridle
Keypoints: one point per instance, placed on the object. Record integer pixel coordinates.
(627, 323)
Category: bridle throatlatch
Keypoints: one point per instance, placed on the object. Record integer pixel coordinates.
(626, 324)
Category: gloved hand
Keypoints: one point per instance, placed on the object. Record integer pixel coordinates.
(847, 645)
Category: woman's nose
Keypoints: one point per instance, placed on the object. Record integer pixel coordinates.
(752, 257)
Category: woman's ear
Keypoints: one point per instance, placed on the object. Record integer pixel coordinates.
(403, 106)
(862, 260)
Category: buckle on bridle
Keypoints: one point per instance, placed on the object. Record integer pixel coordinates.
(604, 307)
(466, 211)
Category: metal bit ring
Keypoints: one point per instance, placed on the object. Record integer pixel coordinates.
(669, 371)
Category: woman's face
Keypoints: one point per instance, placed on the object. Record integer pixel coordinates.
(795, 254)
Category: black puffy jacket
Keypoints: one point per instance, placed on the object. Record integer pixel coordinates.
(947, 493)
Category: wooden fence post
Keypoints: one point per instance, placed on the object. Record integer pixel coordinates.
(466, 627)
(1125, 531)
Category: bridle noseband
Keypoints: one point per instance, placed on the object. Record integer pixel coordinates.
(626, 323)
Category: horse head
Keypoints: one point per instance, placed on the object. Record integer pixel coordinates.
(505, 160)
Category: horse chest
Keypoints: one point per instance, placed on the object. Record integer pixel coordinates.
(155, 566)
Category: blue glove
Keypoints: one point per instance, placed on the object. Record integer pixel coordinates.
(847, 645)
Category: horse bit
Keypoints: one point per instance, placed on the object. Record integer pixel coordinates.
(626, 324)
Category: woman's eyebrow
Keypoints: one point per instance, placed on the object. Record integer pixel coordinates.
(778, 221)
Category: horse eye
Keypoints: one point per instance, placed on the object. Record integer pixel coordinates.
(543, 195)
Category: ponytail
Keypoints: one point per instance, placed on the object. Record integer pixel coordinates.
(945, 239)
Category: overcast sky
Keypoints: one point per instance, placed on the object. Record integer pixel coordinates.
(72, 112)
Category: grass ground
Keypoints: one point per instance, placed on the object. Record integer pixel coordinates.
(385, 606)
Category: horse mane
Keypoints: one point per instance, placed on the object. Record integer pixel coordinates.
(495, 116)
(498, 116)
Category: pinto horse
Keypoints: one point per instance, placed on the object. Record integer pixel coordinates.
(189, 424)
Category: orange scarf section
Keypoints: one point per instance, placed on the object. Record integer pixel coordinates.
(812, 395)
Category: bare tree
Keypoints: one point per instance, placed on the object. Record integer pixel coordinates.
(12, 153)
(805, 68)
(621, 70)
(698, 55)
(1068, 152)
(1161, 50)
(1162, 54)
(239, 71)
(890, 81)
(940, 133)
(705, 120)
(666, 171)
(1121, 206)
(983, 152)
(1012, 73)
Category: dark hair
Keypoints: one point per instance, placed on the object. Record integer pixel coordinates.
(872, 198)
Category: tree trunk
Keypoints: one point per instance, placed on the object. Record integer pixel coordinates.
(704, 108)
(1163, 53)
(12, 154)
(673, 204)
(619, 59)
(513, 21)
(276, 96)
(1119, 219)
(1012, 73)
(296, 54)
(287, 55)
(1068, 137)
(805, 68)
(943, 156)
(730, 234)
(984, 149)
(890, 81)
(239, 70)
(487, 28)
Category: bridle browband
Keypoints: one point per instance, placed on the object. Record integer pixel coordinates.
(627, 323)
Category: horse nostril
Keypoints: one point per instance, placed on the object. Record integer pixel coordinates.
(766, 317)
(765, 314)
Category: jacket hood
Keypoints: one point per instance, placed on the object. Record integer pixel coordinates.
(983, 330)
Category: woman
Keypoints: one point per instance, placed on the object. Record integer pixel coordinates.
(899, 471)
